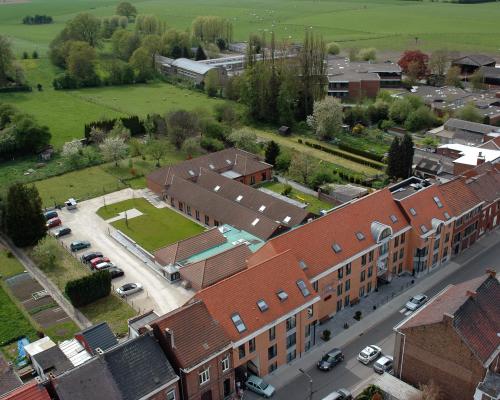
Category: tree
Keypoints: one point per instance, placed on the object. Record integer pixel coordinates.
(470, 113)
(114, 149)
(326, 119)
(212, 83)
(453, 76)
(124, 43)
(72, 153)
(24, 221)
(394, 159)
(283, 161)
(200, 54)
(29, 135)
(272, 152)
(430, 391)
(6, 59)
(141, 62)
(244, 139)
(369, 393)
(97, 135)
(302, 166)
(368, 54)
(477, 80)
(89, 288)
(430, 141)
(210, 28)
(119, 130)
(80, 62)
(181, 125)
(399, 110)
(438, 62)
(47, 254)
(126, 9)
(333, 48)
(419, 59)
(419, 119)
(86, 28)
(157, 150)
(407, 151)
(34, 54)
(192, 147)
(149, 25)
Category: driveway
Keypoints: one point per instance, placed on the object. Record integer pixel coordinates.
(85, 224)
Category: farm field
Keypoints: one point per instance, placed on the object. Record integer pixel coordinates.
(386, 24)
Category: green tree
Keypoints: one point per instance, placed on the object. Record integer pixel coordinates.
(24, 221)
(192, 147)
(244, 139)
(333, 48)
(6, 59)
(126, 9)
(399, 110)
(30, 137)
(181, 125)
(124, 43)
(394, 165)
(114, 148)
(326, 119)
(141, 62)
(47, 253)
(175, 43)
(368, 54)
(470, 113)
(86, 28)
(212, 83)
(272, 152)
(119, 130)
(421, 118)
(149, 25)
(157, 149)
(372, 392)
(438, 62)
(407, 151)
(72, 153)
(477, 80)
(453, 77)
(80, 62)
(211, 28)
(283, 161)
(302, 167)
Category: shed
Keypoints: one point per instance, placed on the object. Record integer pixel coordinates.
(285, 130)
(97, 339)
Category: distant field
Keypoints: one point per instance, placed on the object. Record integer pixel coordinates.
(388, 24)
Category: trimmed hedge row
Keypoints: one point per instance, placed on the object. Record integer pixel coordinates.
(360, 152)
(351, 157)
(17, 88)
(88, 289)
(133, 123)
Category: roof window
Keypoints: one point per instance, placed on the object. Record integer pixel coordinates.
(282, 295)
(228, 162)
(336, 248)
(238, 323)
(238, 199)
(303, 288)
(191, 172)
(423, 228)
(287, 219)
(360, 236)
(438, 202)
(302, 264)
(262, 305)
(262, 208)
(394, 219)
(255, 221)
(446, 215)
(211, 166)
(413, 212)
(216, 189)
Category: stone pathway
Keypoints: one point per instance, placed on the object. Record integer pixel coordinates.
(132, 213)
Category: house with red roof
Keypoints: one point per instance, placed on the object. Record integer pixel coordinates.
(34, 390)
(453, 339)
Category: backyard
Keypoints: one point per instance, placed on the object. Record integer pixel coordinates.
(157, 227)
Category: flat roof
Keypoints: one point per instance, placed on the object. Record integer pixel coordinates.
(231, 174)
(470, 153)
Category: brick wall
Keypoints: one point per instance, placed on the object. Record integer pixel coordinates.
(154, 186)
(162, 395)
(359, 90)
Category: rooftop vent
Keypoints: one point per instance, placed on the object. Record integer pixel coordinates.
(211, 166)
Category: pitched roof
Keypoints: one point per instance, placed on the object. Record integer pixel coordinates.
(53, 360)
(99, 336)
(475, 60)
(8, 378)
(190, 65)
(459, 197)
(186, 248)
(475, 127)
(312, 243)
(197, 336)
(139, 366)
(240, 294)
(30, 391)
(206, 272)
(486, 186)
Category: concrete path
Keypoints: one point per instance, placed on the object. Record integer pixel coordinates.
(132, 213)
(297, 186)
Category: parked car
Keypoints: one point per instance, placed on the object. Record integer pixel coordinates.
(50, 214)
(383, 364)
(98, 260)
(128, 289)
(79, 245)
(87, 257)
(53, 222)
(330, 360)
(259, 386)
(70, 204)
(62, 232)
(340, 394)
(369, 353)
(116, 272)
(416, 302)
(104, 265)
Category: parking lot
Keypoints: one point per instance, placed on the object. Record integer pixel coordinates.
(85, 224)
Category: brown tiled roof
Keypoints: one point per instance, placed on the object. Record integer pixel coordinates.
(458, 196)
(30, 391)
(186, 248)
(206, 272)
(223, 210)
(272, 207)
(482, 168)
(197, 336)
(8, 378)
(486, 186)
(240, 293)
(312, 243)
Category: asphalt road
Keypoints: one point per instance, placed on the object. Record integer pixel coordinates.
(351, 372)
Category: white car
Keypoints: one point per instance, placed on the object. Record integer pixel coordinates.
(369, 353)
(128, 289)
(416, 302)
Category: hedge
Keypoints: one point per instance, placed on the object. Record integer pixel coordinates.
(88, 289)
(133, 123)
(17, 88)
(361, 152)
(351, 157)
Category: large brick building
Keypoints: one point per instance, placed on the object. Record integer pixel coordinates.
(453, 340)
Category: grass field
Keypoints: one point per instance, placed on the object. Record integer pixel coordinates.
(157, 227)
(9, 266)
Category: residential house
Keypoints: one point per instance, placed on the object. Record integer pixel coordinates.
(97, 338)
(467, 157)
(8, 378)
(34, 390)
(458, 131)
(194, 71)
(453, 339)
(200, 352)
(471, 63)
(135, 324)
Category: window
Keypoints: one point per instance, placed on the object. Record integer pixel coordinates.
(370, 256)
(273, 366)
(361, 291)
(238, 323)
(435, 259)
(181, 206)
(412, 211)
(394, 219)
(241, 351)
(252, 180)
(339, 289)
(188, 210)
(395, 256)
(225, 364)
(251, 345)
(363, 275)
(360, 236)
(171, 394)
(369, 287)
(403, 235)
(400, 268)
(204, 376)
(291, 340)
(197, 213)
(207, 220)
(303, 288)
(438, 202)
(272, 333)
(290, 323)
(315, 285)
(216, 223)
(447, 238)
(341, 272)
(348, 269)
(291, 356)
(436, 244)
(262, 208)
(370, 271)
(339, 305)
(255, 221)
(336, 248)
(401, 253)
(423, 228)
(172, 202)
(347, 300)
(347, 285)
(363, 259)
(238, 199)
(309, 329)
(447, 215)
(396, 241)
(262, 305)
(272, 352)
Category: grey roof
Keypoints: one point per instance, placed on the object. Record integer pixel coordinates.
(53, 360)
(99, 336)
(8, 378)
(427, 165)
(456, 123)
(142, 320)
(476, 60)
(190, 65)
(490, 72)
(491, 384)
(139, 366)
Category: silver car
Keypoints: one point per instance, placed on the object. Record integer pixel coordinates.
(416, 302)
(383, 364)
(369, 353)
(128, 289)
(259, 386)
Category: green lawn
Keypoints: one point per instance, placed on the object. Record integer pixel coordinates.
(9, 265)
(373, 140)
(157, 227)
(314, 204)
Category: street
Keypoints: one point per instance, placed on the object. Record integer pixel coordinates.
(351, 372)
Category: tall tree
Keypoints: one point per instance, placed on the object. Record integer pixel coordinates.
(407, 152)
(141, 62)
(272, 152)
(126, 9)
(80, 61)
(86, 28)
(302, 166)
(6, 59)
(438, 62)
(326, 119)
(394, 159)
(181, 125)
(24, 220)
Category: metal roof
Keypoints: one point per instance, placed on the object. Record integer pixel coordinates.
(193, 66)
(99, 336)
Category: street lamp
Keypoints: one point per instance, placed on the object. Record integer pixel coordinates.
(310, 382)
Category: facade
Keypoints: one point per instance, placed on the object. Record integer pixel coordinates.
(452, 340)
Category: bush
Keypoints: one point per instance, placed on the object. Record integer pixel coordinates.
(211, 144)
(133, 124)
(283, 161)
(286, 190)
(360, 152)
(333, 48)
(88, 289)
(326, 334)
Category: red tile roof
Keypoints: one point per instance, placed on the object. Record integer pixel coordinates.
(240, 293)
(458, 196)
(30, 391)
(312, 243)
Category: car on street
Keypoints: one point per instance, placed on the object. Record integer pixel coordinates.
(104, 265)
(128, 289)
(53, 222)
(62, 232)
(116, 272)
(369, 353)
(78, 245)
(50, 214)
(330, 360)
(90, 256)
(383, 364)
(259, 386)
(416, 302)
(340, 394)
(98, 260)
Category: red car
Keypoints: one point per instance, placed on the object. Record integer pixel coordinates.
(53, 222)
(98, 260)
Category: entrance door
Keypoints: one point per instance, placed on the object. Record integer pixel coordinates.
(227, 387)
(207, 395)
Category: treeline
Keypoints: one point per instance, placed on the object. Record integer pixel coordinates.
(37, 19)
(11, 72)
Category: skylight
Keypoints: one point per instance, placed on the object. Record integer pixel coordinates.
(262, 208)
(216, 189)
(211, 166)
(238, 323)
(191, 172)
(287, 219)
(228, 161)
(238, 199)
(336, 248)
(394, 219)
(303, 288)
(423, 228)
(282, 295)
(438, 202)
(302, 264)
(360, 236)
(446, 215)
(255, 221)
(413, 212)
(262, 305)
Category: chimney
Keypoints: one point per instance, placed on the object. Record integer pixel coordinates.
(448, 319)
(169, 333)
(470, 293)
(480, 158)
(98, 350)
(491, 272)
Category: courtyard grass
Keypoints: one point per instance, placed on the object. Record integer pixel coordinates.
(9, 265)
(157, 227)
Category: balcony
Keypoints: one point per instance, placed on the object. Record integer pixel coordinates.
(381, 266)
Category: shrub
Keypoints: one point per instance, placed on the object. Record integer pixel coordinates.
(333, 48)
(326, 334)
(286, 190)
(357, 315)
(88, 289)
(211, 144)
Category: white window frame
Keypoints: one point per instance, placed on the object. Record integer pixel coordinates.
(204, 376)
(171, 392)
(225, 364)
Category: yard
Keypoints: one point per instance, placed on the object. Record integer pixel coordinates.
(314, 204)
(157, 227)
